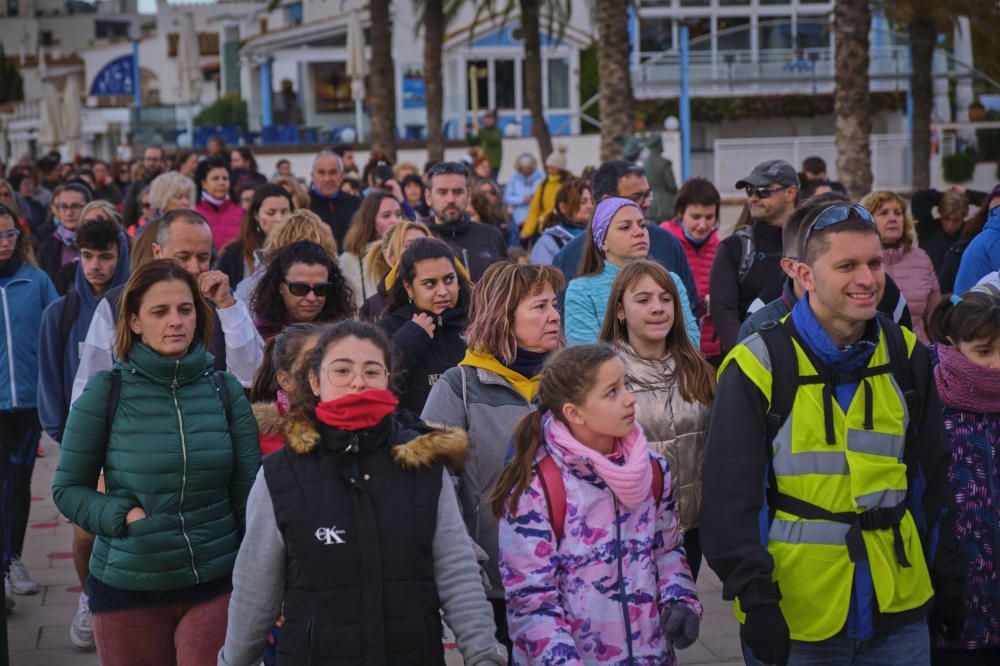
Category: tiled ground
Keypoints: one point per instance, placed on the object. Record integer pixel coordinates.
(39, 628)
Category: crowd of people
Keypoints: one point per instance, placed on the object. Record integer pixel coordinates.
(308, 420)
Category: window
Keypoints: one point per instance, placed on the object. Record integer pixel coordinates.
(727, 3)
(775, 33)
(46, 38)
(558, 83)
(813, 33)
(734, 33)
(476, 74)
(294, 13)
(208, 43)
(332, 87)
(111, 30)
(694, 3)
(12, 8)
(699, 32)
(655, 35)
(504, 84)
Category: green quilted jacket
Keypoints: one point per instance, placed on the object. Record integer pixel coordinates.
(170, 451)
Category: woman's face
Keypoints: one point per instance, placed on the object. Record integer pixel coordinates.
(287, 378)
(537, 322)
(435, 285)
(483, 169)
(984, 353)
(272, 212)
(7, 197)
(216, 183)
(350, 366)
(8, 237)
(627, 237)
(69, 208)
(167, 319)
(236, 160)
(408, 238)
(585, 211)
(648, 311)
(890, 219)
(298, 291)
(389, 215)
(414, 194)
(180, 199)
(189, 166)
(246, 199)
(26, 188)
(147, 208)
(608, 410)
(699, 220)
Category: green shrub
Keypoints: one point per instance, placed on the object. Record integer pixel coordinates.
(960, 167)
(225, 111)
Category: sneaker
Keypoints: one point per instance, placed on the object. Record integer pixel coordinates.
(19, 579)
(81, 632)
(8, 595)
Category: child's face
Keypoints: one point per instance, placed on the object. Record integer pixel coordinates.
(982, 352)
(609, 409)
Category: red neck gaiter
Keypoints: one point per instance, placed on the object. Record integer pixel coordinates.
(357, 411)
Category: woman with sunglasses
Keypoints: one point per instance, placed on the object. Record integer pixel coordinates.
(301, 284)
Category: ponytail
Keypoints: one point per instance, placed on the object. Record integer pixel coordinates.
(974, 316)
(265, 382)
(516, 477)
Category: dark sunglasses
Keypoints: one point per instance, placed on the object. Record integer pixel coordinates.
(301, 288)
(834, 215)
(762, 192)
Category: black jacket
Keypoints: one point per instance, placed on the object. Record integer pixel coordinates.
(336, 211)
(477, 245)
(930, 235)
(424, 358)
(359, 531)
(731, 297)
(49, 258)
(231, 263)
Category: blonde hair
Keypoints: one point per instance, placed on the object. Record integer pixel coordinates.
(106, 207)
(303, 224)
(376, 267)
(300, 195)
(873, 202)
(954, 202)
(165, 187)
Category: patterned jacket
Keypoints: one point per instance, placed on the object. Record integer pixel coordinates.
(613, 573)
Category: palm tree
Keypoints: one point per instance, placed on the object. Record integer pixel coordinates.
(383, 79)
(530, 27)
(616, 101)
(434, 23)
(851, 104)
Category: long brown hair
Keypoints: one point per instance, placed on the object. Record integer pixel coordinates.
(22, 247)
(362, 229)
(567, 378)
(144, 277)
(695, 379)
(280, 354)
(251, 233)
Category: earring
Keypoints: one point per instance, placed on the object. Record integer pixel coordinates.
(621, 321)
(411, 300)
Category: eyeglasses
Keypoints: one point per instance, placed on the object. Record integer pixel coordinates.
(68, 207)
(302, 288)
(834, 215)
(11, 235)
(342, 374)
(763, 192)
(639, 197)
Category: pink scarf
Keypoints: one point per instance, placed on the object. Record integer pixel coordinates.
(631, 481)
(965, 385)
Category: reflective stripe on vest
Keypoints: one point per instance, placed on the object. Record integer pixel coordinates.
(861, 471)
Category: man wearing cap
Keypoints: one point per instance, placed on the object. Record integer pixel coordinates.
(750, 259)
(518, 191)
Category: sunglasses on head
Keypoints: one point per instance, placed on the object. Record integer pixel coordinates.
(763, 192)
(302, 289)
(834, 215)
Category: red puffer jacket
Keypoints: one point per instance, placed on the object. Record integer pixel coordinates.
(700, 260)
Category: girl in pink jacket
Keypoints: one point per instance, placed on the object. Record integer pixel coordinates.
(591, 554)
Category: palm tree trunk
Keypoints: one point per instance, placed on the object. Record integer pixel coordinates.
(383, 80)
(433, 84)
(922, 35)
(851, 103)
(530, 26)
(615, 78)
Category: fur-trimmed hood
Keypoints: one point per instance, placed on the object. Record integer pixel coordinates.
(428, 445)
(269, 418)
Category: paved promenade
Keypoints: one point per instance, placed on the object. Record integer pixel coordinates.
(39, 628)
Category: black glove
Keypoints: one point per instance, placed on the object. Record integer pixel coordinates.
(947, 617)
(765, 632)
(680, 625)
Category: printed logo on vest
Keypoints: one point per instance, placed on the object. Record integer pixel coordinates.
(330, 535)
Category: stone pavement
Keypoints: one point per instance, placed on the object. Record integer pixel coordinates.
(38, 630)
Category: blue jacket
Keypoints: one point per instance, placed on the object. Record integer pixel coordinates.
(982, 256)
(514, 192)
(23, 298)
(59, 359)
(663, 247)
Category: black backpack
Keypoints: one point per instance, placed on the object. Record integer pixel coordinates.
(748, 251)
(116, 393)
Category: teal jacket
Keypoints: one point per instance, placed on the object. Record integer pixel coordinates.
(169, 451)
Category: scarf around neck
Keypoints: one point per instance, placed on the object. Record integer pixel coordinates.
(964, 385)
(67, 236)
(527, 363)
(205, 196)
(526, 386)
(357, 411)
(630, 481)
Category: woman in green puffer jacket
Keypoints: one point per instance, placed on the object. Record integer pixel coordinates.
(179, 451)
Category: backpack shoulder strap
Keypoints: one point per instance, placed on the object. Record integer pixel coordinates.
(899, 361)
(555, 494)
(113, 397)
(777, 339)
(70, 311)
(657, 480)
(223, 391)
(748, 244)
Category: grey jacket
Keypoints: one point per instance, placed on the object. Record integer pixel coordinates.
(489, 408)
(259, 582)
(675, 428)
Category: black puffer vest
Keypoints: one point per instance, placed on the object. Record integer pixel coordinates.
(359, 530)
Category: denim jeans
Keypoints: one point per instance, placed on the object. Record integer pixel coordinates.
(907, 646)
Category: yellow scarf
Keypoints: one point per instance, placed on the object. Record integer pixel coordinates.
(527, 387)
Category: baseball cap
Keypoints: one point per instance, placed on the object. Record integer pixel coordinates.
(772, 171)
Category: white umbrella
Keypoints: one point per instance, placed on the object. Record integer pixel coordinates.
(72, 121)
(189, 68)
(357, 66)
(50, 123)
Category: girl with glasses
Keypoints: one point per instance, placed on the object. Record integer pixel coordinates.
(301, 284)
(354, 528)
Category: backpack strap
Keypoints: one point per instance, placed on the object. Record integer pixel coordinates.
(784, 362)
(899, 362)
(70, 311)
(747, 246)
(113, 397)
(223, 391)
(657, 480)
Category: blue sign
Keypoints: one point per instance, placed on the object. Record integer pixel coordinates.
(413, 87)
(114, 79)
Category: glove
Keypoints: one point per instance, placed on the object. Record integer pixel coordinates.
(765, 632)
(680, 624)
(947, 617)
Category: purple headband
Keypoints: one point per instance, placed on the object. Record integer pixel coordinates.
(603, 214)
